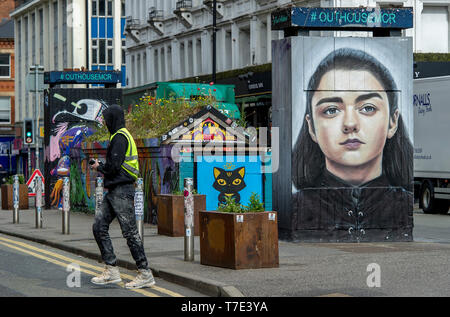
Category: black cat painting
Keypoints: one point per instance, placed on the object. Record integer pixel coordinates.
(229, 183)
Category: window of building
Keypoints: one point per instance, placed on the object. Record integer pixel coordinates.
(5, 65)
(124, 60)
(110, 54)
(95, 51)
(110, 8)
(102, 51)
(94, 8)
(122, 8)
(101, 7)
(5, 110)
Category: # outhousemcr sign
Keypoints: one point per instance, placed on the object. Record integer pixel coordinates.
(348, 18)
(73, 77)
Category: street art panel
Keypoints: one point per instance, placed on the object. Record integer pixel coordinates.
(350, 146)
(236, 177)
(71, 115)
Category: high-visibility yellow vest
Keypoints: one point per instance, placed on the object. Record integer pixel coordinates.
(131, 163)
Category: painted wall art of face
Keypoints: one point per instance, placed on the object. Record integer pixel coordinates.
(352, 124)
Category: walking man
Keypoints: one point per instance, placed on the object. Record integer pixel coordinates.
(120, 171)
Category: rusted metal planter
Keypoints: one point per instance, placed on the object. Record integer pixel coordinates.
(7, 196)
(171, 214)
(239, 241)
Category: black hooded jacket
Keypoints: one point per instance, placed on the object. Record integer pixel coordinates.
(111, 169)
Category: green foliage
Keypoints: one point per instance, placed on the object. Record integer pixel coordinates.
(231, 206)
(152, 117)
(10, 179)
(177, 192)
(181, 192)
(431, 57)
(255, 205)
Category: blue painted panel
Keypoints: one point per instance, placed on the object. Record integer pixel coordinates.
(94, 28)
(102, 28)
(122, 28)
(186, 169)
(110, 28)
(250, 166)
(110, 68)
(124, 76)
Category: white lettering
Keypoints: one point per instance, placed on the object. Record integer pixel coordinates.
(374, 278)
(192, 307)
(74, 278)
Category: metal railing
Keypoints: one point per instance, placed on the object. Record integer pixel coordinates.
(131, 24)
(184, 4)
(154, 14)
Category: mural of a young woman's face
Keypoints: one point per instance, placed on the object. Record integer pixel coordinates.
(351, 126)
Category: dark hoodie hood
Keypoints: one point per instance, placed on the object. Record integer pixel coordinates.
(114, 118)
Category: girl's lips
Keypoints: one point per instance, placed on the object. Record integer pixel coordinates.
(352, 144)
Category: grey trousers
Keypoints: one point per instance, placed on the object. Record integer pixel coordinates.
(119, 203)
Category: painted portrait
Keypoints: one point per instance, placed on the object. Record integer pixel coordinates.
(352, 167)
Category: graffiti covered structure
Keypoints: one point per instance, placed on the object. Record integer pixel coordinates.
(347, 155)
(71, 115)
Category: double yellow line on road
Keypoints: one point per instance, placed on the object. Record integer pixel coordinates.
(15, 245)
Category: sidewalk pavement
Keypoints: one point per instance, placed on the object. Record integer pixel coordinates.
(305, 269)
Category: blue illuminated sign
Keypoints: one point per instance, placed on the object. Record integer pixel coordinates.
(96, 77)
(348, 18)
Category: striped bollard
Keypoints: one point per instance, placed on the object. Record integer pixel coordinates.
(16, 199)
(188, 220)
(38, 202)
(66, 206)
(139, 207)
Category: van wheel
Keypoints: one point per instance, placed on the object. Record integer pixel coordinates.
(430, 205)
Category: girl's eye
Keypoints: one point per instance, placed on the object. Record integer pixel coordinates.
(368, 108)
(331, 111)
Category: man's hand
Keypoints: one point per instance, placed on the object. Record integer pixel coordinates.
(95, 165)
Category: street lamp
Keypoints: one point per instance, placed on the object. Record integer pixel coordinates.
(36, 70)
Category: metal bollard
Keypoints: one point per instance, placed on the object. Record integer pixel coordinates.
(16, 199)
(98, 194)
(38, 203)
(66, 207)
(139, 207)
(188, 220)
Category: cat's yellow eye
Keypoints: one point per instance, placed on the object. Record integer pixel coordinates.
(237, 181)
(222, 182)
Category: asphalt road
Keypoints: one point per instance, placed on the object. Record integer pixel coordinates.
(30, 269)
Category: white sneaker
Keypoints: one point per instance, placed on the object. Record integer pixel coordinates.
(110, 275)
(143, 279)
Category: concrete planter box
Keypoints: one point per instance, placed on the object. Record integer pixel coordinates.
(239, 241)
(171, 214)
(7, 197)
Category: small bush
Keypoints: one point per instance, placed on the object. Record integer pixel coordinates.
(255, 205)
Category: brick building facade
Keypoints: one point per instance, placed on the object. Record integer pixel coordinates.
(7, 94)
(6, 6)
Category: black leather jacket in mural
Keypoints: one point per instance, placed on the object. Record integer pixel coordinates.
(333, 210)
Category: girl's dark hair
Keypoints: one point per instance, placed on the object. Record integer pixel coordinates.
(308, 161)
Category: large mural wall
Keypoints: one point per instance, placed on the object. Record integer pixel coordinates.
(349, 147)
(71, 115)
